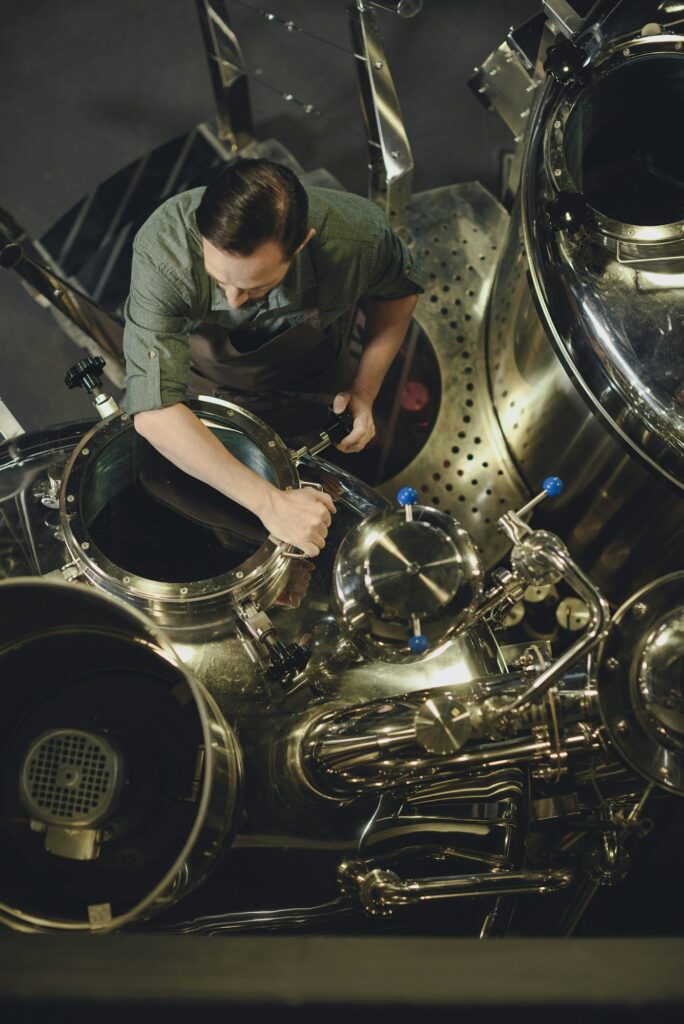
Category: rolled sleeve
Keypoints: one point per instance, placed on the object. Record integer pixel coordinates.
(155, 339)
(393, 273)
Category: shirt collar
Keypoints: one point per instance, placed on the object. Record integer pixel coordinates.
(300, 278)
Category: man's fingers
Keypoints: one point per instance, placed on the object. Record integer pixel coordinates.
(352, 438)
(357, 444)
(341, 401)
(326, 500)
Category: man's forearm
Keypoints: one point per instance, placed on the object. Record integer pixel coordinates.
(298, 517)
(386, 325)
(183, 439)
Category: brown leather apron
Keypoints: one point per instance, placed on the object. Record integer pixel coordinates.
(289, 380)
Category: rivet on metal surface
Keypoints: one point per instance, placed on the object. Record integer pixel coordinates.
(663, 772)
(85, 545)
(86, 451)
(127, 579)
(626, 52)
(557, 172)
(183, 590)
(612, 664)
(378, 64)
(271, 444)
(239, 575)
(621, 726)
(556, 124)
(640, 609)
(70, 497)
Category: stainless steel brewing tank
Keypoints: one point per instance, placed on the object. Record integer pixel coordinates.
(585, 348)
(102, 469)
(138, 528)
(120, 781)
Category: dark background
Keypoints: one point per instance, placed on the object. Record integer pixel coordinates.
(89, 85)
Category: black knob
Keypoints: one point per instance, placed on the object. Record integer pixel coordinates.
(287, 661)
(568, 212)
(85, 374)
(339, 425)
(565, 63)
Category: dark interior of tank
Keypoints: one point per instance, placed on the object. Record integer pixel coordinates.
(184, 529)
(623, 141)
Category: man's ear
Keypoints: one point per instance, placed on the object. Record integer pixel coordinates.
(309, 235)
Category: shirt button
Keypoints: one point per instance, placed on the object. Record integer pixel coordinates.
(152, 355)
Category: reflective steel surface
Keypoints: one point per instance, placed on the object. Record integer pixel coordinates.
(395, 576)
(80, 649)
(641, 677)
(584, 349)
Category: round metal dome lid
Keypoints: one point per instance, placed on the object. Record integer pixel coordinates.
(390, 573)
(603, 228)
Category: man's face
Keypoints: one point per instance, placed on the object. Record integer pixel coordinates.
(246, 279)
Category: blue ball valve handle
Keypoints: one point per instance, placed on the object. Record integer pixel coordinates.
(417, 643)
(552, 487)
(407, 498)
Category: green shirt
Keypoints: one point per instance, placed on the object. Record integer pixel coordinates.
(355, 254)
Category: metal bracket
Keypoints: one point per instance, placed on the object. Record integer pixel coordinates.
(565, 18)
(228, 74)
(503, 83)
(390, 160)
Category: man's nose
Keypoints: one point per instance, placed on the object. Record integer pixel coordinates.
(236, 297)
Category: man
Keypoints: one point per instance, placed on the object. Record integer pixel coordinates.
(241, 290)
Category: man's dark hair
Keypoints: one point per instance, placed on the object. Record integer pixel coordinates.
(252, 202)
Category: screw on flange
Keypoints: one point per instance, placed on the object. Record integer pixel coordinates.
(612, 664)
(640, 609)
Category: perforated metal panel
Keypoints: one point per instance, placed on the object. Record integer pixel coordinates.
(69, 777)
(464, 467)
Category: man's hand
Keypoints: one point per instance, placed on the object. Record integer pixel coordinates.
(298, 517)
(361, 408)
